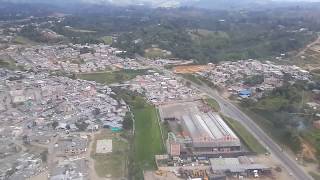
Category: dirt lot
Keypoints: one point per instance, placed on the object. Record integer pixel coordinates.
(179, 109)
(269, 161)
(190, 69)
(309, 57)
(151, 175)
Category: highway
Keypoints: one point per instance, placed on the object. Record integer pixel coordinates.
(232, 111)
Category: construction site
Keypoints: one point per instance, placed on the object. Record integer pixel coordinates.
(191, 69)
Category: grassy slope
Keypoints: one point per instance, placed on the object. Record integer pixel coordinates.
(111, 77)
(192, 78)
(213, 104)
(250, 141)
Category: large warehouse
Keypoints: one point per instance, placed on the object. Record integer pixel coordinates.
(204, 134)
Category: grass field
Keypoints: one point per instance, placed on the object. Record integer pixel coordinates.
(23, 40)
(192, 78)
(111, 77)
(198, 34)
(113, 164)
(79, 30)
(262, 119)
(247, 138)
(213, 104)
(8, 63)
(107, 39)
(147, 140)
(156, 53)
(316, 176)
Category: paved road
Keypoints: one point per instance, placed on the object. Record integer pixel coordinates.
(232, 111)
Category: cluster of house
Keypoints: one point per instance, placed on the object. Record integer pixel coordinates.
(233, 76)
(4, 38)
(16, 164)
(69, 161)
(75, 168)
(73, 58)
(33, 101)
(160, 89)
(35, 107)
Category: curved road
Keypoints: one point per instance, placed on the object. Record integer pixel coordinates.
(232, 111)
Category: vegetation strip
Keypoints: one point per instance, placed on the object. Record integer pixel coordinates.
(250, 141)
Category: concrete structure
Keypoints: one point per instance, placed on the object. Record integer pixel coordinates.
(239, 166)
(71, 146)
(104, 146)
(204, 134)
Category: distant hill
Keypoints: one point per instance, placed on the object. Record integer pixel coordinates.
(207, 4)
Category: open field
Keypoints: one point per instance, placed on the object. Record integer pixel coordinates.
(112, 76)
(147, 140)
(23, 41)
(156, 53)
(79, 30)
(8, 63)
(313, 138)
(316, 176)
(248, 139)
(112, 165)
(198, 34)
(213, 104)
(107, 39)
(190, 69)
(192, 78)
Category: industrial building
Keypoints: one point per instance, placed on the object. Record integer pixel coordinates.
(203, 134)
(240, 166)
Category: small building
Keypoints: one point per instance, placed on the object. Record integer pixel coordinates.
(316, 124)
(241, 165)
(245, 93)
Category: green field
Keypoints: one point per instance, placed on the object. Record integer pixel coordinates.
(316, 176)
(192, 78)
(107, 39)
(155, 53)
(112, 76)
(23, 40)
(8, 63)
(113, 164)
(313, 137)
(80, 30)
(199, 34)
(147, 140)
(247, 138)
(213, 104)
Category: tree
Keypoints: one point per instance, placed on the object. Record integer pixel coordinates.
(55, 124)
(82, 126)
(127, 121)
(25, 139)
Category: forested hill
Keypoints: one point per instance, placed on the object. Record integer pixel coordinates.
(191, 33)
(204, 35)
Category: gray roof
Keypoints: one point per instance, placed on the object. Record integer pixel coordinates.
(234, 165)
(209, 125)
